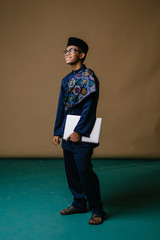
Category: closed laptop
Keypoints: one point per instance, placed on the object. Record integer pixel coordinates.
(71, 122)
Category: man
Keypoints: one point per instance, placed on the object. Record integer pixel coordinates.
(79, 96)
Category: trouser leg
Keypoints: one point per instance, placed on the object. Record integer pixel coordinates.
(73, 179)
(89, 181)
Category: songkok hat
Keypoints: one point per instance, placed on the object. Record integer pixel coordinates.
(79, 43)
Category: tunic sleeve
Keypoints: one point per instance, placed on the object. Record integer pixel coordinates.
(88, 117)
(59, 116)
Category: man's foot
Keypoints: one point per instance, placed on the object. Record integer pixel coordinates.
(72, 210)
(96, 219)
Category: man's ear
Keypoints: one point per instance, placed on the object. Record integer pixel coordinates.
(82, 55)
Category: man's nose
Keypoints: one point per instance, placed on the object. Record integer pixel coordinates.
(68, 52)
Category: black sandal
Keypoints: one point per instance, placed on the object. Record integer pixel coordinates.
(72, 210)
(92, 219)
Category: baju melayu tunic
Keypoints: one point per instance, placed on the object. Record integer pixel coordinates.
(79, 95)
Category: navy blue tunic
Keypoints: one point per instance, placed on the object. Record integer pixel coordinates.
(86, 109)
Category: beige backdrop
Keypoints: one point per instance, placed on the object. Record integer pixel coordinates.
(124, 40)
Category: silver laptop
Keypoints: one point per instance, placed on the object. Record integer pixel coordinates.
(71, 122)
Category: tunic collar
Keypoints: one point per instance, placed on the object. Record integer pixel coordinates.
(79, 70)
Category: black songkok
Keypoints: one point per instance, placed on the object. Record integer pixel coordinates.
(79, 43)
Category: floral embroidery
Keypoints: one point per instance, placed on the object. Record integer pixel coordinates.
(79, 87)
(70, 99)
(84, 81)
(87, 74)
(83, 91)
(70, 90)
(72, 82)
(76, 90)
(68, 105)
(79, 75)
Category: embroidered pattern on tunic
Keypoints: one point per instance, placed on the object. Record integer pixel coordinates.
(79, 87)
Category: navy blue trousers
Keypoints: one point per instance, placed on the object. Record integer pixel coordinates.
(82, 180)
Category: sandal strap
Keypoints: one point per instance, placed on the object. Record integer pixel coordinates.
(71, 210)
(95, 215)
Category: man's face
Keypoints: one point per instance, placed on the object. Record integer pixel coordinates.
(72, 55)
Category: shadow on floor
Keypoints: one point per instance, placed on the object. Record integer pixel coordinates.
(135, 195)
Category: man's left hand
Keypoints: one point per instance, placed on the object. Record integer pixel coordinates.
(74, 137)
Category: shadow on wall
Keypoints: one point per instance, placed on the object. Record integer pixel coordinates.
(157, 130)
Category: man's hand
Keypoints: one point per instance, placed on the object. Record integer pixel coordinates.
(56, 140)
(74, 137)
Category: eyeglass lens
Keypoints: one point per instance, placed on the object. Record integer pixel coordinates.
(71, 50)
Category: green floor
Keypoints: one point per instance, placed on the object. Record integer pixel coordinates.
(33, 191)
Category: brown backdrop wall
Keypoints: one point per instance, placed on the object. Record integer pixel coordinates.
(124, 39)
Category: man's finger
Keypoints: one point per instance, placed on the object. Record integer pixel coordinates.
(55, 142)
(68, 138)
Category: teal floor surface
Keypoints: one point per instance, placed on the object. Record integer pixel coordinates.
(33, 191)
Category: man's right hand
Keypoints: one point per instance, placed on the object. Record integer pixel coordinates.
(56, 140)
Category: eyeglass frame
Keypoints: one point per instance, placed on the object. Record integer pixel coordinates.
(72, 50)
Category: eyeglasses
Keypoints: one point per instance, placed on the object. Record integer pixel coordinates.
(71, 51)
